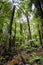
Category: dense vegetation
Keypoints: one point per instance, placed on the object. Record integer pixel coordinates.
(21, 32)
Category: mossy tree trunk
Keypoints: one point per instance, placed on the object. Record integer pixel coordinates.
(40, 38)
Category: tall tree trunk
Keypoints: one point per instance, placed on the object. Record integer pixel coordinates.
(40, 38)
(39, 8)
(21, 32)
(10, 31)
(29, 34)
(14, 37)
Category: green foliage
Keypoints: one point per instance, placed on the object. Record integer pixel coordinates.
(20, 39)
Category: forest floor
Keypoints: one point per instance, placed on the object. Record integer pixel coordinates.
(24, 57)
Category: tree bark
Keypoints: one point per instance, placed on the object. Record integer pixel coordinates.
(10, 31)
(21, 32)
(14, 37)
(40, 38)
(39, 7)
(29, 36)
(40, 13)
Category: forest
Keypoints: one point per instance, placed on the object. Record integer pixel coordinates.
(21, 32)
